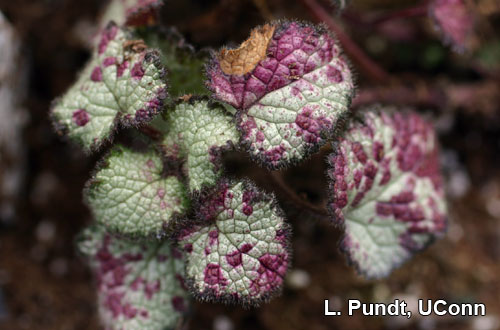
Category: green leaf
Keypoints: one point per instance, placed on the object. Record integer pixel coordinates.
(123, 83)
(387, 190)
(197, 134)
(237, 248)
(140, 285)
(131, 195)
(185, 66)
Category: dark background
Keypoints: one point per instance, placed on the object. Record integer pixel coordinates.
(44, 285)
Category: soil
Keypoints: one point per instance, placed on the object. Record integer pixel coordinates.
(45, 285)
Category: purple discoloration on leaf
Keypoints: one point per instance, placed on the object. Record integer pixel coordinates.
(227, 239)
(293, 51)
(213, 237)
(108, 35)
(383, 173)
(302, 73)
(188, 248)
(121, 69)
(334, 75)
(213, 275)
(96, 74)
(234, 258)
(152, 288)
(108, 61)
(137, 72)
(271, 273)
(126, 280)
(115, 71)
(81, 117)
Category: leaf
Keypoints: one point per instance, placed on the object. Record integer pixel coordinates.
(185, 66)
(122, 84)
(139, 285)
(131, 195)
(454, 19)
(291, 87)
(387, 190)
(197, 134)
(132, 12)
(237, 250)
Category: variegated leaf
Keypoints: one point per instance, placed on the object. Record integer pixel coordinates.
(197, 133)
(140, 286)
(291, 87)
(386, 190)
(237, 250)
(123, 84)
(132, 195)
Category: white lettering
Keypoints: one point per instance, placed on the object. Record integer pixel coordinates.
(353, 304)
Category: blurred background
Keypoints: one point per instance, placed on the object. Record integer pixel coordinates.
(401, 57)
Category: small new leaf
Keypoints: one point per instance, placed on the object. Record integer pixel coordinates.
(386, 190)
(139, 285)
(291, 87)
(122, 83)
(197, 133)
(131, 195)
(132, 12)
(237, 250)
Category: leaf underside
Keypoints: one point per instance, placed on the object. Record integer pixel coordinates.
(386, 190)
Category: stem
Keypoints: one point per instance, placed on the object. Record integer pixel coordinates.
(419, 10)
(294, 198)
(151, 132)
(366, 64)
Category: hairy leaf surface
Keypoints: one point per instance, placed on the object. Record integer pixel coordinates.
(197, 133)
(237, 251)
(123, 83)
(140, 285)
(387, 190)
(291, 87)
(132, 195)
